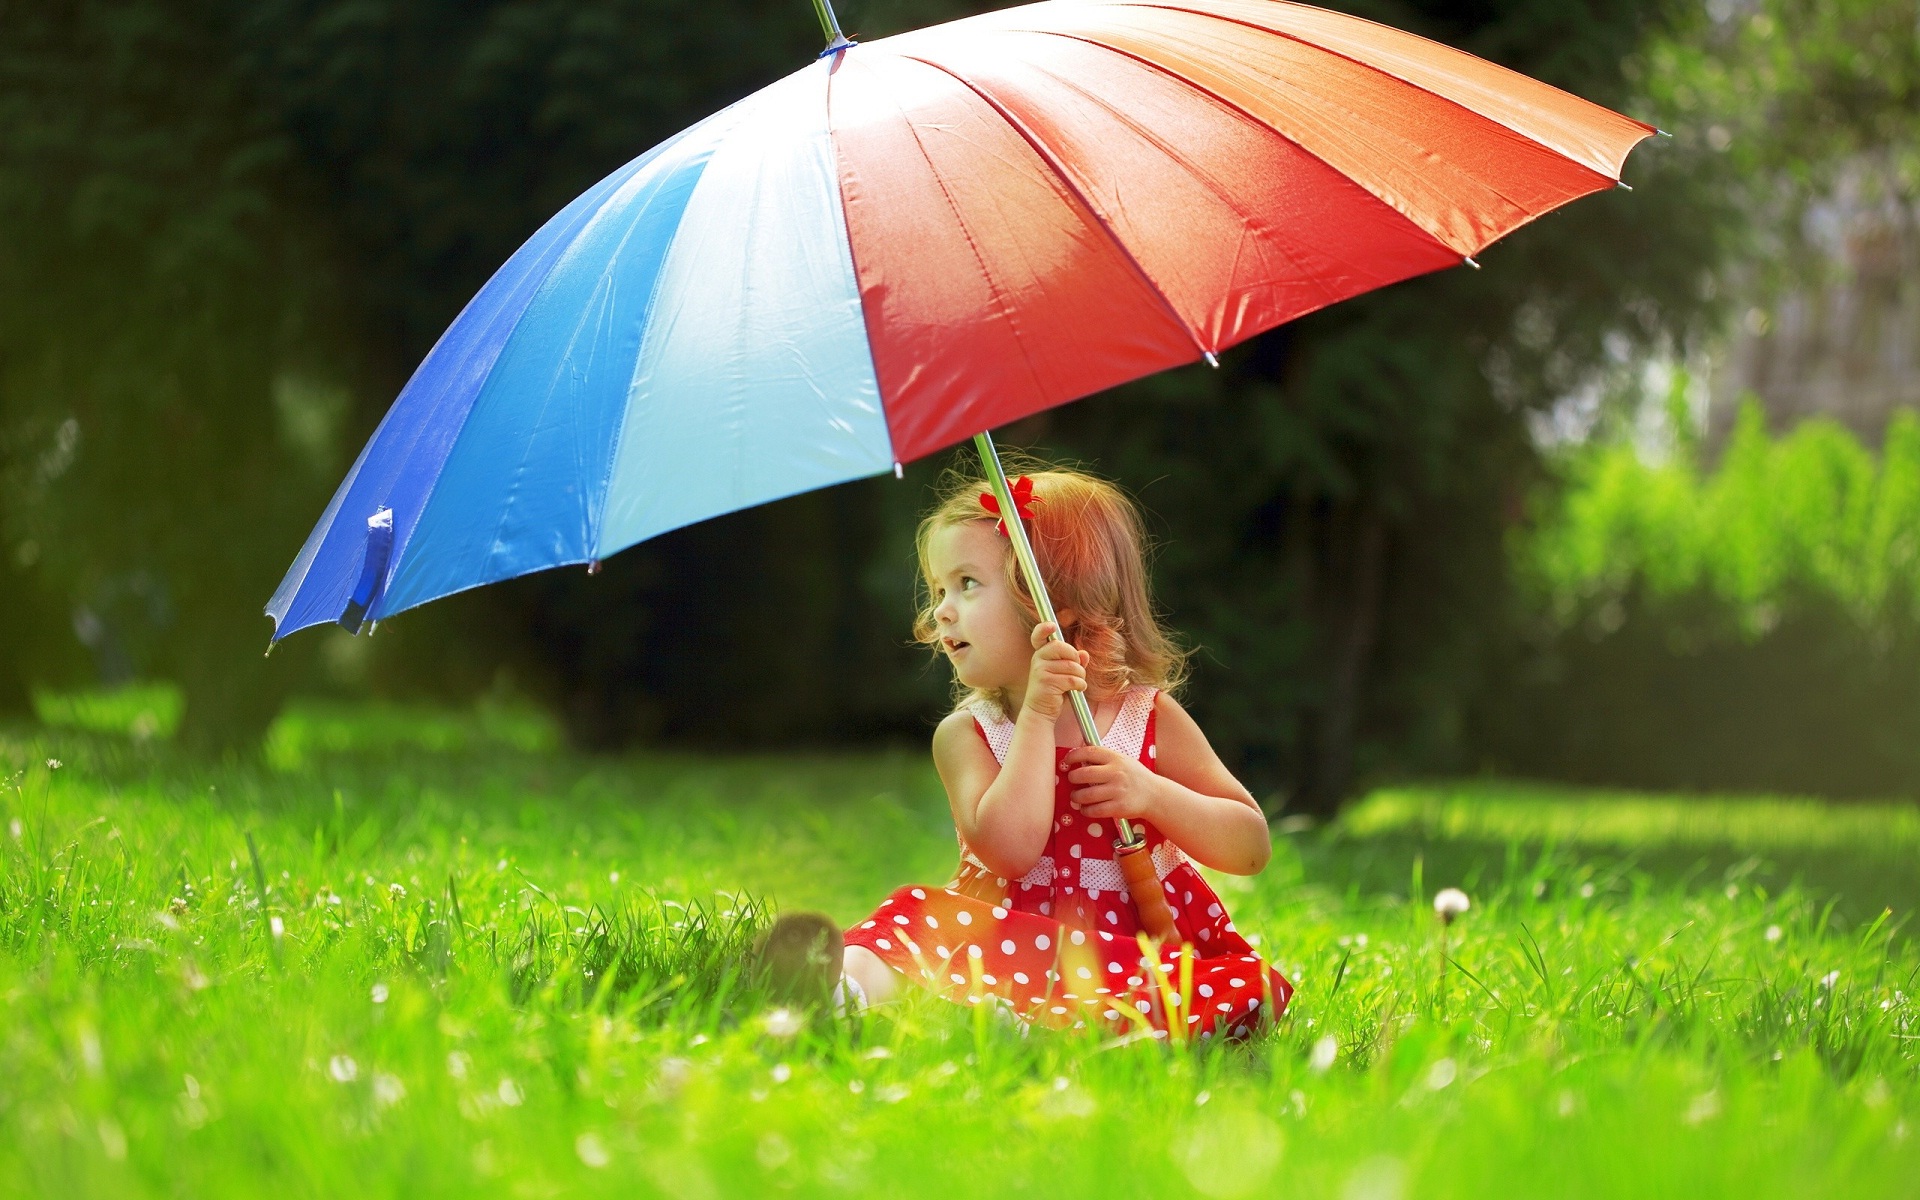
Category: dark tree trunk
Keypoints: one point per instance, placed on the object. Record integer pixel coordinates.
(1353, 634)
(1341, 565)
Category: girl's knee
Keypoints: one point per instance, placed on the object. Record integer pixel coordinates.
(876, 978)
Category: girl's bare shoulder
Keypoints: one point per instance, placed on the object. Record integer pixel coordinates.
(1183, 753)
(1170, 712)
(956, 736)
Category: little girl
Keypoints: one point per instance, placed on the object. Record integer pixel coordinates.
(1038, 917)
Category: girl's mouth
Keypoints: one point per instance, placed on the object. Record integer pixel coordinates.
(954, 647)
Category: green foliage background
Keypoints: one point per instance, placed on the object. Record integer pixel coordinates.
(228, 232)
(1752, 623)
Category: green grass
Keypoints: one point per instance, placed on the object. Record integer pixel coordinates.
(416, 954)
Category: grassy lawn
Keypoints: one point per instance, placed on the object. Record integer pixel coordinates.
(416, 955)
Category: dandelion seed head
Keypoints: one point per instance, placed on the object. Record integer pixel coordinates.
(1449, 903)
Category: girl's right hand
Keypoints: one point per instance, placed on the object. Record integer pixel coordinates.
(1057, 669)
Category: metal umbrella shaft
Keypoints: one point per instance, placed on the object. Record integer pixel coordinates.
(1136, 865)
(1030, 567)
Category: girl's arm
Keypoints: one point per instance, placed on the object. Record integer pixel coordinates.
(1194, 800)
(1004, 811)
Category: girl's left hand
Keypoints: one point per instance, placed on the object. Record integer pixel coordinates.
(1109, 784)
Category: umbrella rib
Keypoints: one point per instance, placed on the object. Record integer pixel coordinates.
(1007, 309)
(1066, 179)
(1247, 216)
(1380, 70)
(1204, 90)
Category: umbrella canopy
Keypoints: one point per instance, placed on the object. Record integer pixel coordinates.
(913, 240)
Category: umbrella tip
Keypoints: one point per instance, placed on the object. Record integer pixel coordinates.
(1623, 185)
(1468, 259)
(1211, 360)
(1663, 133)
(898, 471)
(593, 566)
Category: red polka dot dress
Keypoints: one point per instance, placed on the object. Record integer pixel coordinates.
(1060, 945)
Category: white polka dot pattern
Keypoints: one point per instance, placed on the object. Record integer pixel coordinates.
(1166, 857)
(1041, 874)
(1101, 875)
(1125, 735)
(1129, 729)
(1025, 945)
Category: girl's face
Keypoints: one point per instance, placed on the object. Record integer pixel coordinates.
(983, 632)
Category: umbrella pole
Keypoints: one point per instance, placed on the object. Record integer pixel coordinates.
(1136, 865)
(830, 25)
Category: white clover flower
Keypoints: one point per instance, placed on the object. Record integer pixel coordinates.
(380, 993)
(592, 1151)
(343, 1069)
(1324, 1052)
(388, 1090)
(1449, 903)
(1829, 979)
(1774, 933)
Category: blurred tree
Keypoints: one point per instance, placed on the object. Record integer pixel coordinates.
(1755, 625)
(153, 290)
(1742, 615)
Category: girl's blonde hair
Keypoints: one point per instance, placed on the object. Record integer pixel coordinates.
(1092, 549)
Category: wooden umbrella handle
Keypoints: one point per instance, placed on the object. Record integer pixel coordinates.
(1136, 867)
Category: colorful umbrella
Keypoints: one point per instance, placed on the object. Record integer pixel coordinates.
(911, 241)
(919, 238)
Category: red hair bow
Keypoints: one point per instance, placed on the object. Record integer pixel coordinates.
(1022, 502)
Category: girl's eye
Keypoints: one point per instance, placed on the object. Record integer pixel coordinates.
(967, 581)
